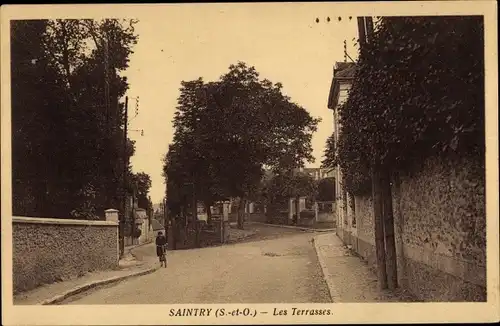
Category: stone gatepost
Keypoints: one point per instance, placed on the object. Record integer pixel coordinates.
(315, 212)
(111, 215)
(251, 207)
(291, 208)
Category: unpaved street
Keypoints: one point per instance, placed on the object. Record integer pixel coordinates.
(283, 269)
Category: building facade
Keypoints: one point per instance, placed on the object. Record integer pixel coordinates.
(440, 234)
(319, 173)
(343, 77)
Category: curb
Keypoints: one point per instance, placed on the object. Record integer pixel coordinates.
(293, 227)
(86, 287)
(324, 270)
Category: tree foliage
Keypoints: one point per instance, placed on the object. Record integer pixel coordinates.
(326, 189)
(284, 186)
(67, 139)
(418, 92)
(142, 183)
(226, 131)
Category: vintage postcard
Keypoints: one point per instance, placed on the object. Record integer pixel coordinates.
(250, 163)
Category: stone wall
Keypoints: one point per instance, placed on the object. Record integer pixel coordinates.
(440, 227)
(50, 250)
(365, 228)
(256, 217)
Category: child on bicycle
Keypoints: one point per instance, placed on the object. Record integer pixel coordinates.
(161, 248)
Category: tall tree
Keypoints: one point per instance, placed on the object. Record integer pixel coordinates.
(285, 185)
(230, 129)
(74, 120)
(142, 182)
(326, 189)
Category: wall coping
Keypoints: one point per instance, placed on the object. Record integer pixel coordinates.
(43, 220)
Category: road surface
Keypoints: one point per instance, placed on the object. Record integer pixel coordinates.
(282, 269)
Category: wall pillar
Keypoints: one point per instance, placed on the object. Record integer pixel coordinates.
(111, 215)
(315, 206)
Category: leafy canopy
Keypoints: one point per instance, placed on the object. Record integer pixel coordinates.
(290, 185)
(67, 138)
(418, 92)
(228, 130)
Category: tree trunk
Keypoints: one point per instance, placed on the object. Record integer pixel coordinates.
(184, 218)
(297, 210)
(196, 222)
(175, 233)
(209, 212)
(184, 224)
(390, 242)
(166, 225)
(241, 213)
(379, 227)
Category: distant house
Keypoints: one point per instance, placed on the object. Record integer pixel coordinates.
(156, 226)
(319, 173)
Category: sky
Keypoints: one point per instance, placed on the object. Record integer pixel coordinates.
(188, 42)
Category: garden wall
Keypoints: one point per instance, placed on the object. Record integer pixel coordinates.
(440, 226)
(48, 250)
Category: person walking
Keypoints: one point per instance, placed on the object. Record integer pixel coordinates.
(161, 248)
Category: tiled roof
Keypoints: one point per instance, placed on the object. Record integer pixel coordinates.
(343, 65)
(156, 225)
(347, 72)
(341, 70)
(311, 169)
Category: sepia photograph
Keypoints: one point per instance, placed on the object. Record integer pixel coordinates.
(249, 163)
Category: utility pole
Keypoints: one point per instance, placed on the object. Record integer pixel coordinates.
(390, 241)
(365, 30)
(195, 217)
(107, 168)
(125, 171)
(381, 188)
(194, 210)
(132, 220)
(384, 184)
(106, 79)
(345, 51)
(378, 216)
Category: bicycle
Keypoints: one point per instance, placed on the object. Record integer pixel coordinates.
(163, 257)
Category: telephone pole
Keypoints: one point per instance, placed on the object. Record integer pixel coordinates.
(382, 197)
(365, 34)
(132, 220)
(106, 80)
(124, 177)
(381, 187)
